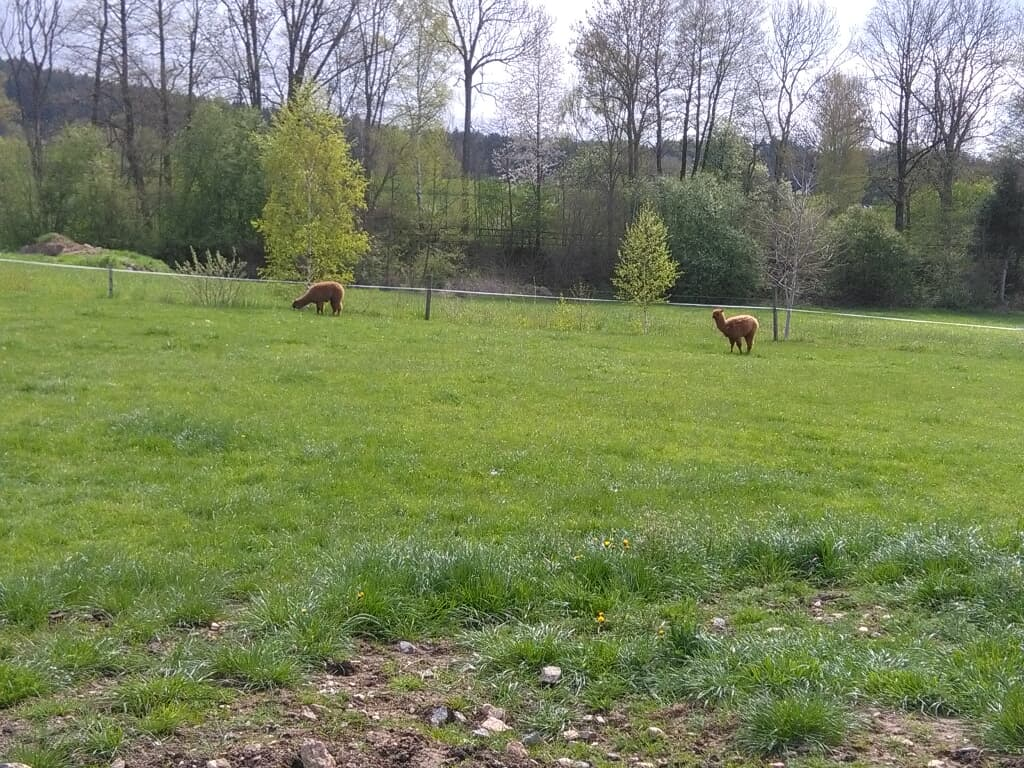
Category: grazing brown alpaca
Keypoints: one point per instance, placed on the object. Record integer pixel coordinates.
(736, 328)
(319, 294)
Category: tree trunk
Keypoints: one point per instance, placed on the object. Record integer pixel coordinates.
(1002, 280)
(467, 122)
(130, 149)
(101, 49)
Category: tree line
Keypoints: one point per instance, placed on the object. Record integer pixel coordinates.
(784, 159)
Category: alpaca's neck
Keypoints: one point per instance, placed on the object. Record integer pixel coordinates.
(720, 321)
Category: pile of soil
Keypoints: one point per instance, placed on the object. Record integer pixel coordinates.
(54, 245)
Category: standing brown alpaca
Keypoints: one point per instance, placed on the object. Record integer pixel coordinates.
(319, 294)
(736, 328)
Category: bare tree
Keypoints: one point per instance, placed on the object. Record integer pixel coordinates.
(841, 123)
(129, 139)
(482, 33)
(31, 36)
(797, 250)
(381, 30)
(532, 103)
(249, 24)
(615, 52)
(421, 87)
(797, 55)
(664, 73)
(715, 41)
(313, 32)
(898, 38)
(970, 62)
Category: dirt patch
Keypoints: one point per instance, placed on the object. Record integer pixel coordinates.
(55, 244)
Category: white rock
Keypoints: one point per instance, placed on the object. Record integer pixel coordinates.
(218, 762)
(314, 754)
(481, 732)
(404, 646)
(565, 762)
(494, 725)
(496, 712)
(118, 763)
(655, 733)
(516, 749)
(308, 714)
(570, 734)
(718, 623)
(936, 764)
(551, 675)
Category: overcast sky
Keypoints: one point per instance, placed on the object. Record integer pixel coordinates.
(567, 13)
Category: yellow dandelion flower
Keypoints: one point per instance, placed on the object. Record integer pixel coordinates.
(577, 557)
(625, 543)
(360, 595)
(600, 617)
(607, 543)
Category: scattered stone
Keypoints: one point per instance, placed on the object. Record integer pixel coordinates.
(427, 674)
(776, 765)
(564, 762)
(936, 764)
(966, 754)
(718, 623)
(863, 630)
(14, 765)
(903, 740)
(613, 756)
(460, 718)
(600, 719)
(439, 716)
(532, 739)
(308, 714)
(360, 697)
(516, 749)
(551, 675)
(496, 712)
(588, 718)
(118, 763)
(314, 754)
(655, 733)
(481, 732)
(571, 734)
(645, 765)
(404, 646)
(494, 725)
(342, 668)
(218, 762)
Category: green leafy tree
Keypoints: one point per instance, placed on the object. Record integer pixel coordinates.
(705, 218)
(84, 194)
(874, 265)
(315, 190)
(646, 270)
(218, 186)
(17, 193)
(999, 236)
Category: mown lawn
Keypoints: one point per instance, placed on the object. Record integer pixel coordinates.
(533, 482)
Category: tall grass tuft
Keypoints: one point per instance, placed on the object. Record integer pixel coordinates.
(771, 726)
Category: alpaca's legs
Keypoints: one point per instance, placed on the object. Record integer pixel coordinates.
(750, 342)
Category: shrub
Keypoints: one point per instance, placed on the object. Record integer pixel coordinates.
(214, 282)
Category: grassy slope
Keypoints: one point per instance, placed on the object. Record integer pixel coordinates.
(171, 464)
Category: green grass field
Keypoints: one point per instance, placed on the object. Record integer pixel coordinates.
(526, 482)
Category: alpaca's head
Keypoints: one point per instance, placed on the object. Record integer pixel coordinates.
(295, 304)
